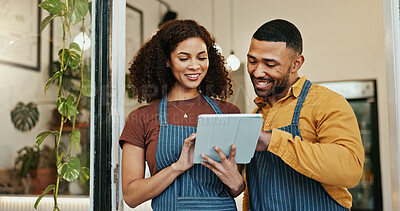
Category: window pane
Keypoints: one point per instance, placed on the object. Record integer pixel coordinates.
(28, 59)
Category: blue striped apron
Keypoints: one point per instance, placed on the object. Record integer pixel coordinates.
(198, 188)
(274, 185)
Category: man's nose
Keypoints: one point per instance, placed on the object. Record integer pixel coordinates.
(259, 71)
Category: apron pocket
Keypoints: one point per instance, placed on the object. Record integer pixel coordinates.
(206, 203)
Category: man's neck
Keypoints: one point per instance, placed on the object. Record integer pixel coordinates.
(271, 100)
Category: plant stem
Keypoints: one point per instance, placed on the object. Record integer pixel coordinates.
(55, 194)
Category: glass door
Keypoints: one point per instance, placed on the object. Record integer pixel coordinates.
(367, 195)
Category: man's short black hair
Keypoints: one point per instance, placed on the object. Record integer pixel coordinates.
(280, 31)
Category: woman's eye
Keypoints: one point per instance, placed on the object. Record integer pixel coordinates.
(183, 59)
(203, 58)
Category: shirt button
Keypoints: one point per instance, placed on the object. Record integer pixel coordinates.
(268, 124)
(276, 149)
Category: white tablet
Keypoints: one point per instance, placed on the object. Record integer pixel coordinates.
(223, 130)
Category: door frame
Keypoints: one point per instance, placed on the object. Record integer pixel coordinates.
(392, 57)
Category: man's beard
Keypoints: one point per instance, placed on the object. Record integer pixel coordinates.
(278, 86)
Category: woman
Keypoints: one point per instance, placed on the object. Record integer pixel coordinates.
(177, 71)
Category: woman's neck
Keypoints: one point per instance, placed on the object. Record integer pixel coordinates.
(182, 94)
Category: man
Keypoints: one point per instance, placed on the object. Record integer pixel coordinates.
(310, 150)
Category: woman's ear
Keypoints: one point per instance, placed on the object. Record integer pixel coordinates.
(168, 64)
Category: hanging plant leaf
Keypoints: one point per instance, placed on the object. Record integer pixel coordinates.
(43, 135)
(70, 170)
(25, 117)
(48, 189)
(66, 107)
(55, 7)
(86, 87)
(76, 139)
(79, 11)
(74, 46)
(56, 75)
(84, 175)
(45, 22)
(72, 57)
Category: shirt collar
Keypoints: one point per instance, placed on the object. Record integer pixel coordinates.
(294, 90)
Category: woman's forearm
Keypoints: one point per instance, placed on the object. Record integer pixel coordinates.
(141, 190)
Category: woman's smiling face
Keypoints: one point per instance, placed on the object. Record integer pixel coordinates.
(189, 64)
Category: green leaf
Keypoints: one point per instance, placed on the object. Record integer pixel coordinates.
(62, 168)
(58, 74)
(48, 189)
(24, 117)
(71, 170)
(55, 7)
(90, 11)
(62, 106)
(70, 4)
(43, 135)
(76, 139)
(79, 11)
(72, 110)
(46, 22)
(63, 55)
(72, 57)
(84, 175)
(74, 46)
(86, 87)
(66, 107)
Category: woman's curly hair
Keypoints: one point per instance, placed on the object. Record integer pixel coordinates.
(150, 77)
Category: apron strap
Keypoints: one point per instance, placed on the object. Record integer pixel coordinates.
(213, 105)
(162, 111)
(300, 101)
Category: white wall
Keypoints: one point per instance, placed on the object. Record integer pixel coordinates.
(343, 40)
(23, 85)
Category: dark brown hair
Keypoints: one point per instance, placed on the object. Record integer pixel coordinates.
(151, 79)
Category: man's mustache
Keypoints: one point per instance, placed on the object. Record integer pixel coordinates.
(261, 78)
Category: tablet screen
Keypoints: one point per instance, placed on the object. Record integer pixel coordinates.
(223, 130)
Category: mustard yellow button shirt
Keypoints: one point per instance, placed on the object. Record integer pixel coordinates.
(331, 151)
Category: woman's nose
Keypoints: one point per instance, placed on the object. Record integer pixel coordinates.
(194, 65)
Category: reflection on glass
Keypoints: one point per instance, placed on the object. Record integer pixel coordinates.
(363, 193)
(25, 170)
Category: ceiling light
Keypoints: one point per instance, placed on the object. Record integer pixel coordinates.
(82, 40)
(233, 62)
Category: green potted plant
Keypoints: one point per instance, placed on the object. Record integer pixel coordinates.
(39, 164)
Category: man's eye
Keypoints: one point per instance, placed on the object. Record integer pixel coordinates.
(252, 62)
(270, 65)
